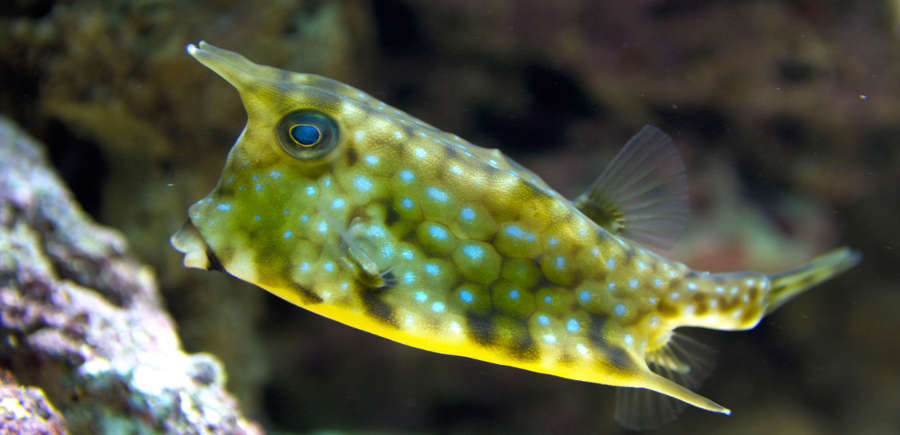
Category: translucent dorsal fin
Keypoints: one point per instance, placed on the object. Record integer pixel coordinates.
(643, 193)
(683, 360)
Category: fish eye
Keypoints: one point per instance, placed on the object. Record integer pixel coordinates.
(307, 134)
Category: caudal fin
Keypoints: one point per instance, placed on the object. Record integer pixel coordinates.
(786, 285)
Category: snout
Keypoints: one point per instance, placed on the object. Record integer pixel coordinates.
(196, 252)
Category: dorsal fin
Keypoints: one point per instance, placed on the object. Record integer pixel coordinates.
(643, 193)
(683, 360)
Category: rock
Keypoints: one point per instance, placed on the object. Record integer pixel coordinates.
(27, 410)
(81, 319)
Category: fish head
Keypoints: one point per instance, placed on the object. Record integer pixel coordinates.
(312, 154)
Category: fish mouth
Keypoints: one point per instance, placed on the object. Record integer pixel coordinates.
(197, 253)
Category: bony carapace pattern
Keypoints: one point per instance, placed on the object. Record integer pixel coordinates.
(357, 211)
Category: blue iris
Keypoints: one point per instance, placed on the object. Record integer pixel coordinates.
(305, 134)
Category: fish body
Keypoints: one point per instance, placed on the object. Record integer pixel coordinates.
(357, 211)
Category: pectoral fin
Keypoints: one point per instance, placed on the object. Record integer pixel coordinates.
(359, 255)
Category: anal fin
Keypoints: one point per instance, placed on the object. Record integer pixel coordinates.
(676, 367)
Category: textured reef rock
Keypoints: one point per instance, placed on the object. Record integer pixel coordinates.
(27, 410)
(82, 320)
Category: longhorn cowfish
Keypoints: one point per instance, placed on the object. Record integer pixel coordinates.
(359, 212)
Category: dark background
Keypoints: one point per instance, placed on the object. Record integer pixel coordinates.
(786, 113)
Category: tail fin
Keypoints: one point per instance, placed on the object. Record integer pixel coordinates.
(788, 284)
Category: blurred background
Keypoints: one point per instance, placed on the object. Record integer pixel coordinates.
(786, 112)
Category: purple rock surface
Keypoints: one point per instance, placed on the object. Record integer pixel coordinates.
(81, 321)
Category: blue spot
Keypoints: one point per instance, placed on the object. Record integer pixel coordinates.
(543, 320)
(437, 232)
(421, 296)
(362, 183)
(553, 241)
(438, 194)
(572, 325)
(304, 218)
(409, 278)
(310, 190)
(285, 212)
(323, 227)
(255, 177)
(610, 263)
(515, 231)
(467, 214)
(329, 266)
(519, 233)
(275, 174)
(466, 296)
(371, 159)
(406, 175)
(584, 296)
(611, 286)
(406, 203)
(474, 252)
(620, 309)
(387, 251)
(288, 234)
(629, 340)
(560, 262)
(432, 269)
(407, 254)
(224, 207)
(338, 202)
(641, 265)
(257, 217)
(548, 299)
(230, 180)
(241, 187)
(376, 232)
(438, 307)
(550, 338)
(327, 181)
(514, 294)
(259, 187)
(633, 282)
(304, 266)
(658, 282)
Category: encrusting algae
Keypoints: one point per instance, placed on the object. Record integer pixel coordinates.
(352, 209)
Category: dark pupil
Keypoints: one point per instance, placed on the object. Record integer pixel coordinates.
(306, 135)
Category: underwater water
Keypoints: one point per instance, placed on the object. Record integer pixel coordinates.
(785, 114)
